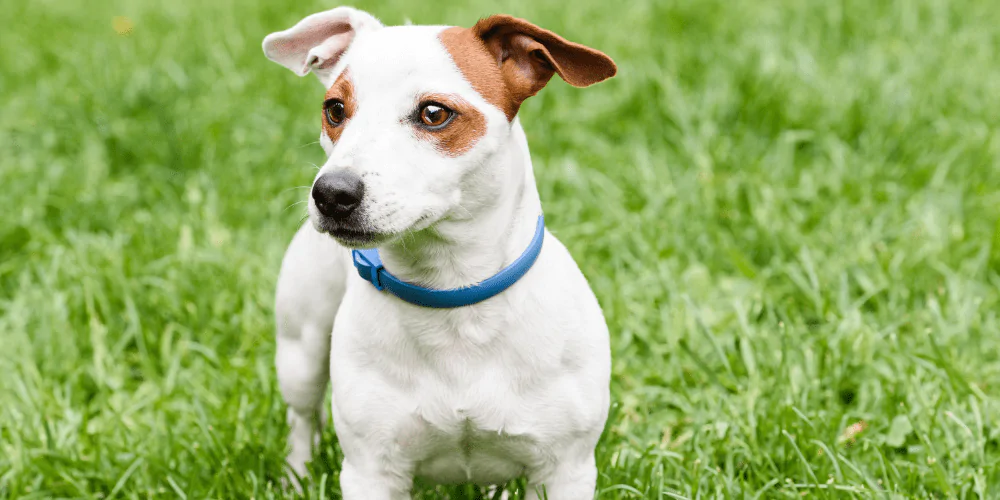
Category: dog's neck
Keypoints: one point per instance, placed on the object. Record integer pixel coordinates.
(467, 247)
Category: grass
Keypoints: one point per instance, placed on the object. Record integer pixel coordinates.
(788, 210)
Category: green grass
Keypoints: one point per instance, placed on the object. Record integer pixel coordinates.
(789, 210)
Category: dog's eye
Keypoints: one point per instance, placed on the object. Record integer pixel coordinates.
(435, 116)
(334, 112)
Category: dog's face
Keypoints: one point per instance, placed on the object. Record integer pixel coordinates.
(413, 114)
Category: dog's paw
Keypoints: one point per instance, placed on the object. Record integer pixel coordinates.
(295, 474)
(291, 483)
(491, 494)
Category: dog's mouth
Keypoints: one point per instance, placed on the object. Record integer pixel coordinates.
(351, 236)
(355, 238)
(356, 234)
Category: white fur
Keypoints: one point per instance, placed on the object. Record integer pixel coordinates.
(515, 385)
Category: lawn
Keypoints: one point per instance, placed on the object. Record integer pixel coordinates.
(788, 209)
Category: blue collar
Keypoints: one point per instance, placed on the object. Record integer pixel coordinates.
(370, 267)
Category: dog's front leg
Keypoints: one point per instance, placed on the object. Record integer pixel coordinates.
(303, 372)
(371, 483)
(310, 288)
(567, 480)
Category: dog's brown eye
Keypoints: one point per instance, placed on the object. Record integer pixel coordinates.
(334, 111)
(435, 116)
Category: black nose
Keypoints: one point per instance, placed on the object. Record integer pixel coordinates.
(337, 194)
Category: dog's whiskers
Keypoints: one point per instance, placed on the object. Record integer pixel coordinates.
(295, 187)
(296, 203)
(467, 212)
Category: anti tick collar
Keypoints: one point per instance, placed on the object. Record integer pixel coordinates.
(370, 267)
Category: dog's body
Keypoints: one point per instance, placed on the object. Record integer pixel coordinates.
(513, 385)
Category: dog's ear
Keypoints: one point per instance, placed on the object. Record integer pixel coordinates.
(529, 55)
(317, 42)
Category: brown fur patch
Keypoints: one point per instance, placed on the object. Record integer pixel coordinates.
(479, 67)
(467, 126)
(578, 65)
(342, 89)
(508, 60)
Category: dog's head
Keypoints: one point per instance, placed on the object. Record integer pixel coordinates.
(413, 114)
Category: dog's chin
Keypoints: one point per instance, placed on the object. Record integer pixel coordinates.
(357, 236)
(356, 239)
(350, 236)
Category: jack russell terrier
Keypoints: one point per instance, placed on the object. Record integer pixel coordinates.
(462, 342)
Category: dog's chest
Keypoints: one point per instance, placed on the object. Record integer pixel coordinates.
(470, 372)
(477, 456)
(471, 432)
(473, 395)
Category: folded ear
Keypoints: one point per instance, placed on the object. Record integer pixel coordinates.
(529, 55)
(317, 42)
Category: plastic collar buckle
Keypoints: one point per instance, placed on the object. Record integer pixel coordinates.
(369, 265)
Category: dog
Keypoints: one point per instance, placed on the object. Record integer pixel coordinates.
(427, 163)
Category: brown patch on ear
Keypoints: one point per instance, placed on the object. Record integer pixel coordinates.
(508, 60)
(479, 67)
(467, 126)
(342, 89)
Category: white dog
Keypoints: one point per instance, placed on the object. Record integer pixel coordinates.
(477, 352)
